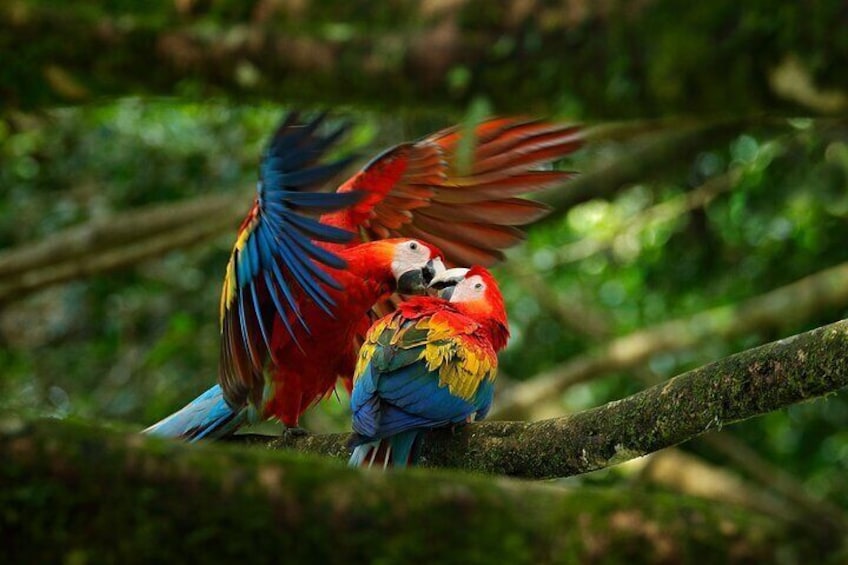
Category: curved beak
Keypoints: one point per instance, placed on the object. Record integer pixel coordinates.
(416, 281)
(445, 282)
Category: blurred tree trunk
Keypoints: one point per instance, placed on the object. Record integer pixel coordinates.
(76, 493)
(599, 60)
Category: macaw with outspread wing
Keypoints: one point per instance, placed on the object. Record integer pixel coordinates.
(432, 363)
(298, 291)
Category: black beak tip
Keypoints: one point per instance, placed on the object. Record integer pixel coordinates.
(412, 282)
(428, 272)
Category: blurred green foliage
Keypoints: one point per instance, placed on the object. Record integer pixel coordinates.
(137, 344)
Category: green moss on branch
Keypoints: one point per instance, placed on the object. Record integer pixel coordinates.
(76, 493)
(748, 384)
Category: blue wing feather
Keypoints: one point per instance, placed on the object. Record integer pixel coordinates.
(308, 249)
(259, 320)
(391, 402)
(313, 175)
(366, 404)
(292, 147)
(318, 200)
(280, 248)
(303, 270)
(298, 159)
(396, 396)
(318, 230)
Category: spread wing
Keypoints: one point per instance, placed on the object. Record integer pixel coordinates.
(275, 258)
(421, 373)
(467, 207)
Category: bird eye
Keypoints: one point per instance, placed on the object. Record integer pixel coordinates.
(478, 286)
(413, 245)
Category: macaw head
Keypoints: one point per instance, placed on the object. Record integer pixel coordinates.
(414, 263)
(444, 284)
(475, 293)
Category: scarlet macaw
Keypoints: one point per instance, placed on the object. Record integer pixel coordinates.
(431, 363)
(298, 291)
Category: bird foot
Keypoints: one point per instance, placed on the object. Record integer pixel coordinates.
(296, 432)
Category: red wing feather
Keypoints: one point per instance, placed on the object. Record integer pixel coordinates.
(507, 212)
(480, 235)
(416, 189)
(460, 252)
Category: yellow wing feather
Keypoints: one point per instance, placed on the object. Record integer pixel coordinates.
(228, 293)
(462, 366)
(462, 363)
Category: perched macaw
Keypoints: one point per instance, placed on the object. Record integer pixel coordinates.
(431, 363)
(298, 291)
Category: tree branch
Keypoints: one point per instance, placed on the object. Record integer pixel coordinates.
(117, 230)
(736, 388)
(795, 302)
(167, 500)
(116, 242)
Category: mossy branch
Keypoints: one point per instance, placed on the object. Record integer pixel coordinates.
(77, 493)
(792, 303)
(166, 500)
(736, 388)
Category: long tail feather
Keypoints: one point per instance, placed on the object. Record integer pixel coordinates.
(396, 451)
(207, 416)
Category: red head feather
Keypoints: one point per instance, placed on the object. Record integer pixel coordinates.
(487, 308)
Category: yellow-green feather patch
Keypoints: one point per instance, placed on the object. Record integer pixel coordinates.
(461, 363)
(228, 292)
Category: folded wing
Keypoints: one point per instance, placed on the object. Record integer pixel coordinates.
(419, 374)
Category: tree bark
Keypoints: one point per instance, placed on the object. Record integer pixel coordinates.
(77, 493)
(779, 308)
(599, 60)
(748, 384)
(117, 242)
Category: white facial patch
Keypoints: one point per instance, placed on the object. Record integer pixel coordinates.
(409, 255)
(470, 289)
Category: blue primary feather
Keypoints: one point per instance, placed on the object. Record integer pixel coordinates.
(279, 254)
(316, 229)
(281, 242)
(207, 416)
(298, 159)
(316, 200)
(258, 314)
(313, 175)
(298, 268)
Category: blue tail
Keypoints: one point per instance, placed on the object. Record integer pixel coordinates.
(395, 451)
(207, 416)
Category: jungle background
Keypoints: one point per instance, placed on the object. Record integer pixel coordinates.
(710, 216)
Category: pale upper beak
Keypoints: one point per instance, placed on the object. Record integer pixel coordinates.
(445, 282)
(432, 269)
